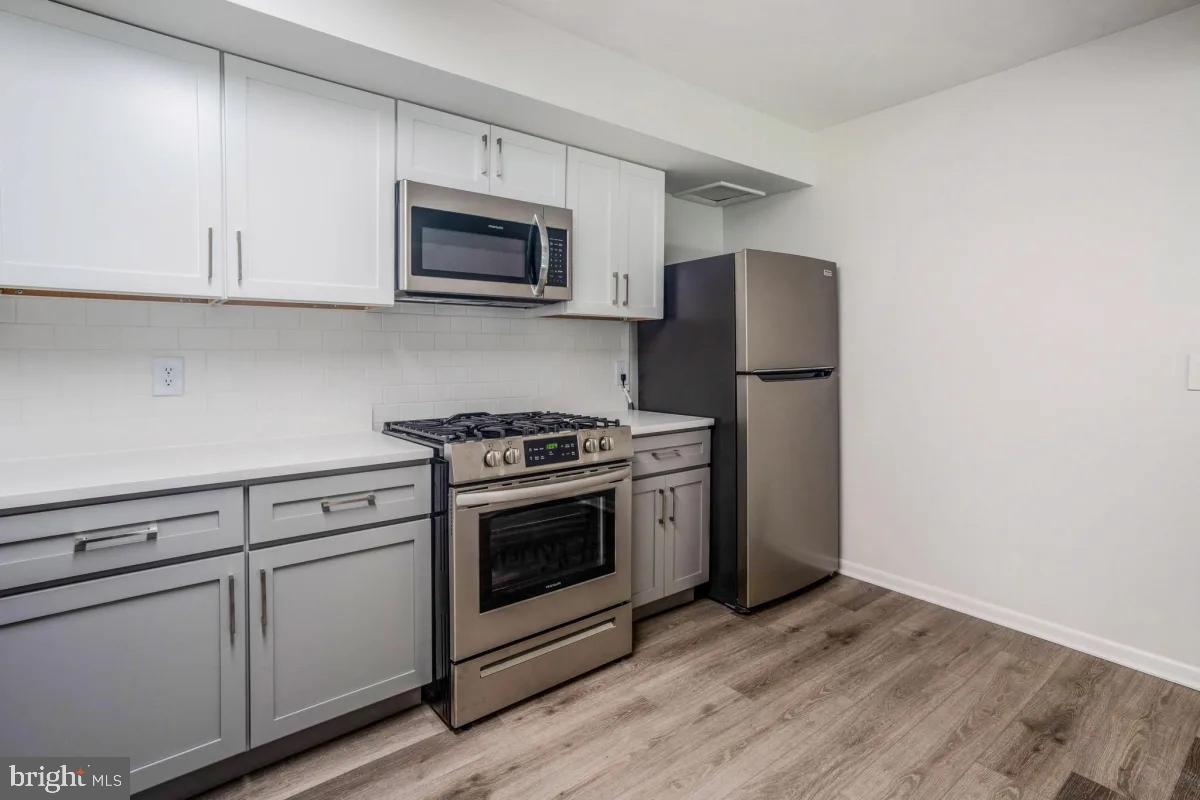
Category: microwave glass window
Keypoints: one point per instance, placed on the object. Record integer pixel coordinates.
(472, 253)
(533, 550)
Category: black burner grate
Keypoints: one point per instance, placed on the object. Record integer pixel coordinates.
(473, 426)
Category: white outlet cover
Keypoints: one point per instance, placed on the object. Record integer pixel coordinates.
(168, 377)
(1194, 372)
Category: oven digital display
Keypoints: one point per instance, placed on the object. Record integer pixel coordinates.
(551, 451)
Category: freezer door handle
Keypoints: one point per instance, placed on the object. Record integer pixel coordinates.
(808, 374)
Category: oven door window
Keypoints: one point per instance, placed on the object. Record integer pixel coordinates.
(446, 244)
(533, 550)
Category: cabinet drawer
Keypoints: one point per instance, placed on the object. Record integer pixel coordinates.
(670, 451)
(318, 505)
(71, 542)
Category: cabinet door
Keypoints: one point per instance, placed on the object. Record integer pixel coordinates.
(442, 149)
(110, 156)
(149, 665)
(643, 201)
(593, 195)
(649, 539)
(336, 624)
(527, 168)
(310, 188)
(687, 530)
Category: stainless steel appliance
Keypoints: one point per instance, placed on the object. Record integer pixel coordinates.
(532, 518)
(464, 247)
(751, 339)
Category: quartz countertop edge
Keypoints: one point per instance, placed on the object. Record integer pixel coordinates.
(647, 423)
(58, 480)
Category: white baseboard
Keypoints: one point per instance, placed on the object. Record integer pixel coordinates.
(1159, 666)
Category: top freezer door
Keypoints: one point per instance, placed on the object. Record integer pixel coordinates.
(787, 311)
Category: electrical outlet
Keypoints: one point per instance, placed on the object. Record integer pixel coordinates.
(168, 377)
(622, 368)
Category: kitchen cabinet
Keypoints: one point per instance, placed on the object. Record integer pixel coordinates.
(649, 541)
(443, 149)
(111, 152)
(617, 248)
(309, 180)
(149, 665)
(685, 562)
(447, 150)
(336, 624)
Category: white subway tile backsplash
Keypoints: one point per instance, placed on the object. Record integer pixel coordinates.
(287, 371)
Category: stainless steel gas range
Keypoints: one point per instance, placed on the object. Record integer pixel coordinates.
(532, 518)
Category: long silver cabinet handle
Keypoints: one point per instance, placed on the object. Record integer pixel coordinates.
(232, 610)
(662, 506)
(487, 157)
(616, 287)
(626, 290)
(336, 505)
(262, 590)
(83, 540)
(239, 256)
(499, 156)
(671, 516)
(210, 255)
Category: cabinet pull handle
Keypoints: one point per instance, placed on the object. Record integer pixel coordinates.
(616, 286)
(626, 290)
(662, 506)
(500, 157)
(83, 540)
(486, 156)
(671, 516)
(210, 255)
(232, 610)
(334, 505)
(659, 455)
(239, 257)
(262, 590)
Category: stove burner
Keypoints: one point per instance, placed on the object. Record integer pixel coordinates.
(473, 426)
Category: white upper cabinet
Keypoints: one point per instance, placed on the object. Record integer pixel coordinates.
(527, 168)
(442, 149)
(445, 150)
(110, 156)
(643, 204)
(309, 181)
(617, 246)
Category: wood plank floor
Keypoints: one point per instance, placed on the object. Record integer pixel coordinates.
(848, 692)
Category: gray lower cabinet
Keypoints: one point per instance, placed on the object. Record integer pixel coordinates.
(337, 623)
(670, 534)
(150, 665)
(649, 540)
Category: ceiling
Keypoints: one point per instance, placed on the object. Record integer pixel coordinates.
(816, 63)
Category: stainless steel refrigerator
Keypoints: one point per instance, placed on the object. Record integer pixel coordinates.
(751, 339)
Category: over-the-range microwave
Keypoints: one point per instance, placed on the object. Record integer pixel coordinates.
(455, 246)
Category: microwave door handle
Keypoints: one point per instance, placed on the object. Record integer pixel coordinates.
(544, 261)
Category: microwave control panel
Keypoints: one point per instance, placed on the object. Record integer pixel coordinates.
(539, 452)
(557, 275)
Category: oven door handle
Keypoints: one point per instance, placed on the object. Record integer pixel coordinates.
(486, 498)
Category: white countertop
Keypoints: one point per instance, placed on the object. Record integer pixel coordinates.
(642, 423)
(66, 479)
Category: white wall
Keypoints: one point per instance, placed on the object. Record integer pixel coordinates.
(75, 374)
(1020, 276)
(692, 230)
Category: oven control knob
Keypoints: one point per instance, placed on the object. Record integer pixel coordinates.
(512, 455)
(492, 458)
(591, 445)
(606, 443)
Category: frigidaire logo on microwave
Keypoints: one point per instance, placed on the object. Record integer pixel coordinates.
(96, 778)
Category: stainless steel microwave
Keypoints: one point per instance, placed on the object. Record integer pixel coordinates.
(464, 247)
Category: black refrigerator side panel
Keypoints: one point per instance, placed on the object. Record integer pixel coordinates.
(686, 364)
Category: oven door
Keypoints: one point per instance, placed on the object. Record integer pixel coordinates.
(474, 245)
(530, 555)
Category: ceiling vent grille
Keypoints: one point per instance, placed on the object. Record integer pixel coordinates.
(721, 193)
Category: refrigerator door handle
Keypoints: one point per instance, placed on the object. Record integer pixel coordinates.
(806, 374)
